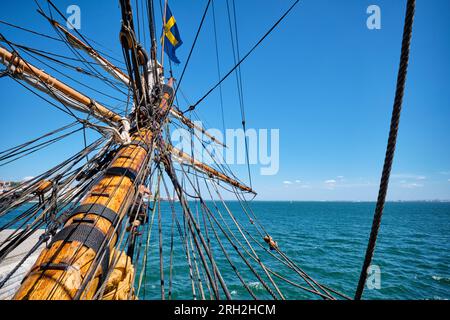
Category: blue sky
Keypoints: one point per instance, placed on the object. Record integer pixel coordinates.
(322, 78)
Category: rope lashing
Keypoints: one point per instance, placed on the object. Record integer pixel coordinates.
(125, 133)
(401, 80)
(272, 244)
(10, 69)
(43, 187)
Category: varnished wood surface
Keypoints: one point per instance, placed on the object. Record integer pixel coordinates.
(113, 192)
(23, 66)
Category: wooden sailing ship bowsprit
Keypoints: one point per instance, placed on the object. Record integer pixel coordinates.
(94, 212)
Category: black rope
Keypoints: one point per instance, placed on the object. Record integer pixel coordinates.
(183, 240)
(192, 48)
(43, 238)
(218, 65)
(31, 215)
(195, 229)
(106, 243)
(65, 40)
(161, 256)
(23, 145)
(401, 80)
(29, 31)
(84, 38)
(191, 108)
(236, 54)
(77, 69)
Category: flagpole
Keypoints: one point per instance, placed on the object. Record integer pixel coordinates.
(164, 33)
(154, 46)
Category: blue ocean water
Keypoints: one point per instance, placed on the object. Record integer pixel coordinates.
(328, 240)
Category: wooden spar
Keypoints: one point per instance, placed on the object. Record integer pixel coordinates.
(71, 261)
(118, 74)
(103, 62)
(183, 157)
(192, 125)
(21, 67)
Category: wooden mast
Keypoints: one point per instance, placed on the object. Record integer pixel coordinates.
(60, 269)
(90, 233)
(118, 74)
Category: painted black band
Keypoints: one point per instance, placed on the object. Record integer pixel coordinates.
(99, 210)
(141, 144)
(119, 171)
(89, 236)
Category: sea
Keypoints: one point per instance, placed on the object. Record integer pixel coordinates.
(327, 240)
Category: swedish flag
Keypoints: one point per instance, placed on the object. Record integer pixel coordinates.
(172, 39)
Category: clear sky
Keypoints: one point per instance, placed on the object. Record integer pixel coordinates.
(322, 78)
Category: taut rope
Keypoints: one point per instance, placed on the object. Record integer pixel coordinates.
(395, 120)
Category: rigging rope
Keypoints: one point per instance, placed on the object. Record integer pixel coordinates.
(218, 65)
(29, 31)
(191, 108)
(395, 120)
(197, 238)
(192, 48)
(236, 56)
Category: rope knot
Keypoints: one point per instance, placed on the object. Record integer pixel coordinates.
(11, 68)
(272, 244)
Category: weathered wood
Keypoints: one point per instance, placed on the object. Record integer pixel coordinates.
(120, 75)
(183, 157)
(103, 62)
(41, 284)
(177, 114)
(21, 66)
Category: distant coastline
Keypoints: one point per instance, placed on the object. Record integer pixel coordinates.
(358, 201)
(318, 201)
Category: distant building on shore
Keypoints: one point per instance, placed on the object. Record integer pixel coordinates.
(5, 186)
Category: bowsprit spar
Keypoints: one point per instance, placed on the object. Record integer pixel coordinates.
(95, 212)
